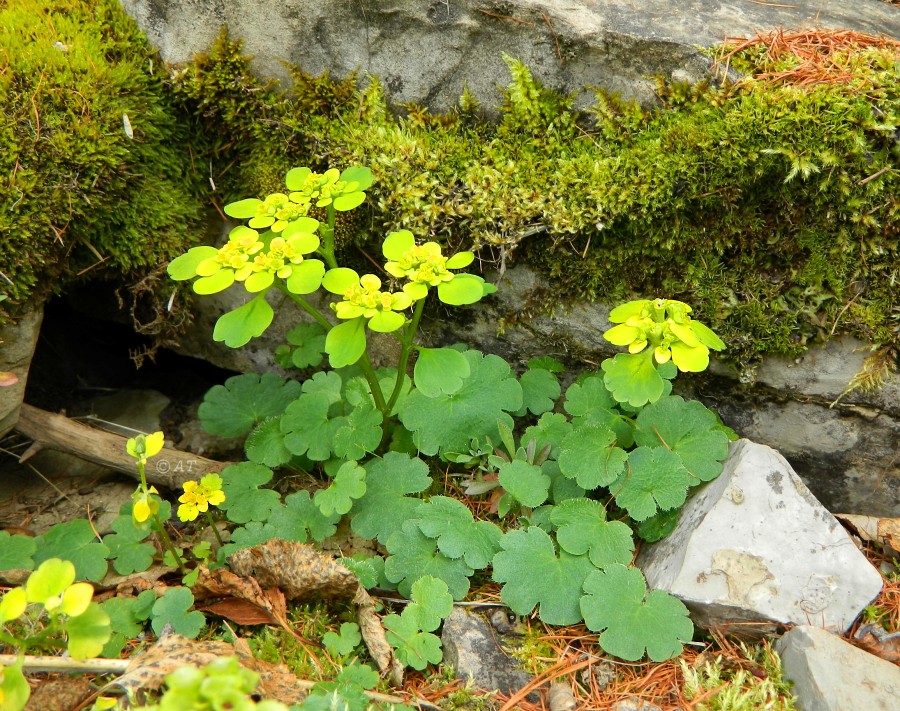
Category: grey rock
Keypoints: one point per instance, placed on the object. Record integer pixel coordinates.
(472, 648)
(17, 343)
(136, 410)
(830, 674)
(754, 545)
(426, 51)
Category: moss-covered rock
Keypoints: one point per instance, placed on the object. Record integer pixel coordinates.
(772, 207)
(96, 170)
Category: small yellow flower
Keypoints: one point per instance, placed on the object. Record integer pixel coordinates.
(363, 297)
(143, 446)
(422, 264)
(145, 505)
(198, 497)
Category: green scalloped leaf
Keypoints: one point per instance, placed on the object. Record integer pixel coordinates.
(236, 328)
(348, 485)
(458, 534)
(540, 390)
(300, 515)
(358, 434)
(581, 527)
(342, 644)
(533, 575)
(308, 429)
(243, 401)
(654, 480)
(415, 555)
(77, 542)
(632, 378)
(306, 346)
(431, 603)
(631, 621)
(550, 429)
(589, 456)
(440, 371)
(265, 444)
(173, 608)
(687, 428)
(16, 552)
(244, 500)
(448, 422)
(586, 395)
(128, 552)
(412, 647)
(525, 482)
(385, 505)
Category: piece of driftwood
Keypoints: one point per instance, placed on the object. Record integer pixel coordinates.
(170, 468)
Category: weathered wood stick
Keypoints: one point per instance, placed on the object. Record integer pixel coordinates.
(170, 468)
(35, 665)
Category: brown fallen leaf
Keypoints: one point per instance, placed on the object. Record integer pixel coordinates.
(881, 531)
(60, 695)
(875, 640)
(300, 571)
(239, 599)
(148, 670)
(374, 636)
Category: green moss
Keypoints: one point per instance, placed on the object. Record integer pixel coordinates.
(77, 193)
(715, 687)
(771, 208)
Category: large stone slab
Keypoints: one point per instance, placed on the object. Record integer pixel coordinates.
(425, 51)
(830, 674)
(17, 343)
(756, 546)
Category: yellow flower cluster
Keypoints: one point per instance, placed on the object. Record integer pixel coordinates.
(363, 297)
(422, 265)
(321, 188)
(283, 253)
(277, 211)
(663, 324)
(198, 497)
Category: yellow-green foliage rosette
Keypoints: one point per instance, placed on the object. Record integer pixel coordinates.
(424, 266)
(362, 297)
(665, 326)
(256, 260)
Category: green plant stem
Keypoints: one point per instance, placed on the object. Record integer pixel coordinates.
(167, 543)
(306, 306)
(406, 343)
(366, 365)
(11, 641)
(212, 525)
(327, 232)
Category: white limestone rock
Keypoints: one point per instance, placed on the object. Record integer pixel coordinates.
(755, 545)
(830, 674)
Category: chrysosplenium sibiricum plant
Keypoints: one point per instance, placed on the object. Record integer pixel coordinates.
(570, 478)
